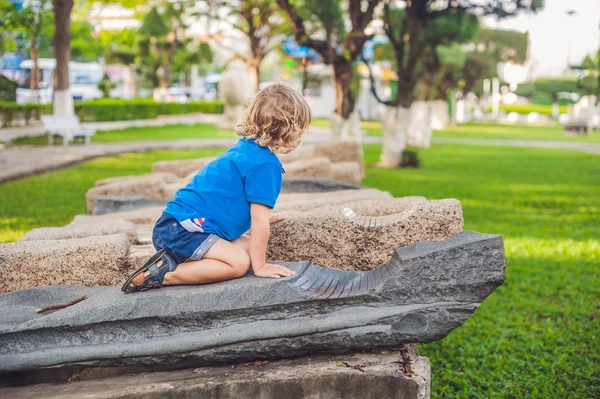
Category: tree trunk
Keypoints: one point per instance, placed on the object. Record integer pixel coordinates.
(344, 98)
(396, 121)
(253, 66)
(167, 69)
(34, 83)
(63, 100)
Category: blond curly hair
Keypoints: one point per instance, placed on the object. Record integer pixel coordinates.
(277, 118)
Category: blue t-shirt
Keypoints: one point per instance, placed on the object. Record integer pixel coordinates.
(218, 199)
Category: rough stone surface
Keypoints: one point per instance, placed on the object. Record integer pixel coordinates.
(84, 228)
(319, 168)
(337, 237)
(120, 203)
(306, 185)
(166, 176)
(144, 233)
(88, 261)
(308, 201)
(138, 255)
(181, 168)
(377, 375)
(421, 294)
(153, 187)
(345, 151)
(350, 172)
(146, 215)
(303, 151)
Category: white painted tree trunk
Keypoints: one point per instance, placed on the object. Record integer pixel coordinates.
(395, 126)
(419, 124)
(439, 117)
(345, 129)
(63, 103)
(555, 110)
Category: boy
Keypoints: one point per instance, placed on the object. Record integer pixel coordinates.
(199, 237)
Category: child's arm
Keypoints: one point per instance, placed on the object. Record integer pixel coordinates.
(259, 237)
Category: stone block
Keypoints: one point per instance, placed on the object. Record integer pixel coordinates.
(147, 215)
(307, 185)
(377, 375)
(137, 256)
(309, 201)
(350, 172)
(345, 151)
(319, 168)
(419, 295)
(153, 187)
(340, 238)
(166, 176)
(181, 168)
(90, 261)
(303, 151)
(84, 228)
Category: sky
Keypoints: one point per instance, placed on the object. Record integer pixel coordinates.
(551, 31)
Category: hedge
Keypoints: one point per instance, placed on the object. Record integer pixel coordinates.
(528, 108)
(109, 110)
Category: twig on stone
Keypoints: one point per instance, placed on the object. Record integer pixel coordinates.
(406, 363)
(62, 305)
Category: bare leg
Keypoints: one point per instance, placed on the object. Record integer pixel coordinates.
(223, 261)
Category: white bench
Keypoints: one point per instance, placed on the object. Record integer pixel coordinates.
(67, 127)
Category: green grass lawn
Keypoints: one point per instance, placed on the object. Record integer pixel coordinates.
(550, 132)
(171, 132)
(537, 336)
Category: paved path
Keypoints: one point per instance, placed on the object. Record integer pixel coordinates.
(7, 134)
(21, 161)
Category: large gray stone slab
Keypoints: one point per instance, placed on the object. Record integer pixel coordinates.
(379, 375)
(421, 294)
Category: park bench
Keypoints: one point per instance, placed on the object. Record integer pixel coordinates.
(576, 127)
(67, 127)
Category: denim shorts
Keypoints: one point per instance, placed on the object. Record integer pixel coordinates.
(181, 245)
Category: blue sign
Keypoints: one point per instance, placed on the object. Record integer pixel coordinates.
(291, 47)
(18, 3)
(369, 48)
(11, 61)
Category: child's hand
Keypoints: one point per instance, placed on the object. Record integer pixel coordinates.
(273, 271)
(274, 218)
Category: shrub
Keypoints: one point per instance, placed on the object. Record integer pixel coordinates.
(109, 110)
(9, 112)
(527, 108)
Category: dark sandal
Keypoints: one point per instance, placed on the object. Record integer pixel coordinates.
(156, 273)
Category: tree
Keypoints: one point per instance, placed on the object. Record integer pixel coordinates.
(340, 48)
(261, 22)
(406, 30)
(590, 82)
(28, 24)
(63, 101)
(84, 46)
(151, 46)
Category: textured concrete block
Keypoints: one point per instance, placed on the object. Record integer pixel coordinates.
(153, 187)
(181, 168)
(350, 172)
(378, 375)
(96, 260)
(166, 176)
(84, 228)
(147, 215)
(341, 238)
(319, 168)
(309, 201)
